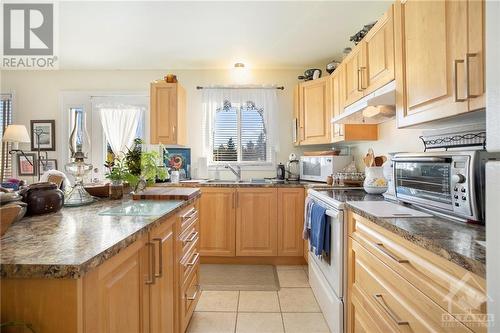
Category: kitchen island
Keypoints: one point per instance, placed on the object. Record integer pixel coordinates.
(108, 266)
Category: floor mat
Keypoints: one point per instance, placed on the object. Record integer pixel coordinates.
(238, 277)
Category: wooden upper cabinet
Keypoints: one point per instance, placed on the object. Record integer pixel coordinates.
(167, 113)
(256, 222)
(290, 221)
(431, 67)
(347, 132)
(315, 112)
(217, 222)
(379, 44)
(355, 71)
(475, 55)
(296, 135)
(162, 292)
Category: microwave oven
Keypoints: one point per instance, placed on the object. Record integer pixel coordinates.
(448, 182)
(318, 168)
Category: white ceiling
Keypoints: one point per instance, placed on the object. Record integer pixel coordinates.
(195, 35)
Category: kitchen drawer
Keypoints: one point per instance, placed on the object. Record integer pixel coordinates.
(452, 287)
(189, 297)
(189, 263)
(187, 216)
(397, 303)
(189, 237)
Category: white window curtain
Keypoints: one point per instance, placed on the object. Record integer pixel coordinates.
(263, 98)
(120, 118)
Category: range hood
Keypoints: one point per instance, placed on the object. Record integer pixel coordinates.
(375, 108)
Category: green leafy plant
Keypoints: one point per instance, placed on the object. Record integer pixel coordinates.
(117, 170)
(142, 166)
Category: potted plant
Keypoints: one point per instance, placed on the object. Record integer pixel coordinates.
(143, 168)
(117, 174)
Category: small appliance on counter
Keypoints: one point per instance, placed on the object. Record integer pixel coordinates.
(447, 182)
(318, 168)
(280, 172)
(293, 168)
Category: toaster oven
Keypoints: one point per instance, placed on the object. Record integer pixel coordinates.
(449, 182)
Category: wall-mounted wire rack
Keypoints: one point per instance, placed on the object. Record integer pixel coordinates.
(465, 136)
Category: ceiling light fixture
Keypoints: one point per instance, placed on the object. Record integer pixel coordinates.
(239, 65)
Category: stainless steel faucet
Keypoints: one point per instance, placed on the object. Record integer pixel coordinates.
(236, 170)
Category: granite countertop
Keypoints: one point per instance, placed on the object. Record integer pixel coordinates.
(69, 243)
(454, 241)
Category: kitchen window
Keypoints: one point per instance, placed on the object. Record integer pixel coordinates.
(238, 126)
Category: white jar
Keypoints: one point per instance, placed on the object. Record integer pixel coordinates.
(174, 176)
(375, 182)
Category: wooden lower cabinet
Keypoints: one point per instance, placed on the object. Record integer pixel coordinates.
(290, 221)
(396, 286)
(218, 222)
(162, 291)
(136, 290)
(256, 222)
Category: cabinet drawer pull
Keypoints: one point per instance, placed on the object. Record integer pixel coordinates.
(391, 255)
(380, 301)
(151, 268)
(456, 62)
(191, 237)
(467, 69)
(193, 260)
(191, 213)
(193, 297)
(160, 257)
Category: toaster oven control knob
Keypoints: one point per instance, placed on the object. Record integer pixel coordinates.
(458, 178)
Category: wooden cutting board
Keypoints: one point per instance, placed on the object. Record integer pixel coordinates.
(167, 193)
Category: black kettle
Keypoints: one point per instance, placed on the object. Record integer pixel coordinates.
(280, 172)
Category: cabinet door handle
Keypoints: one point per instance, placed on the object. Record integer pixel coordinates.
(193, 260)
(234, 200)
(361, 69)
(160, 257)
(193, 297)
(467, 69)
(359, 80)
(173, 132)
(151, 268)
(380, 301)
(391, 255)
(456, 62)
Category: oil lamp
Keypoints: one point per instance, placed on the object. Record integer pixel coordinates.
(79, 145)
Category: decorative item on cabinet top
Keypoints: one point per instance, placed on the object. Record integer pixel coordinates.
(358, 36)
(310, 74)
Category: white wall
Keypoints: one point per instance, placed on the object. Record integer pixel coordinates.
(37, 96)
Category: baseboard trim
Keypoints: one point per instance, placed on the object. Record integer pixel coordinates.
(253, 260)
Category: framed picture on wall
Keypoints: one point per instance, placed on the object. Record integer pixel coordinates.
(26, 164)
(45, 132)
(46, 165)
(178, 159)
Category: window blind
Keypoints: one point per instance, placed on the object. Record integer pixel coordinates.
(240, 135)
(5, 120)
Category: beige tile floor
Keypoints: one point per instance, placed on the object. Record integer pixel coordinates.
(292, 309)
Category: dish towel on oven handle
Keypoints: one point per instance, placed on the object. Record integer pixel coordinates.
(307, 218)
(320, 231)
